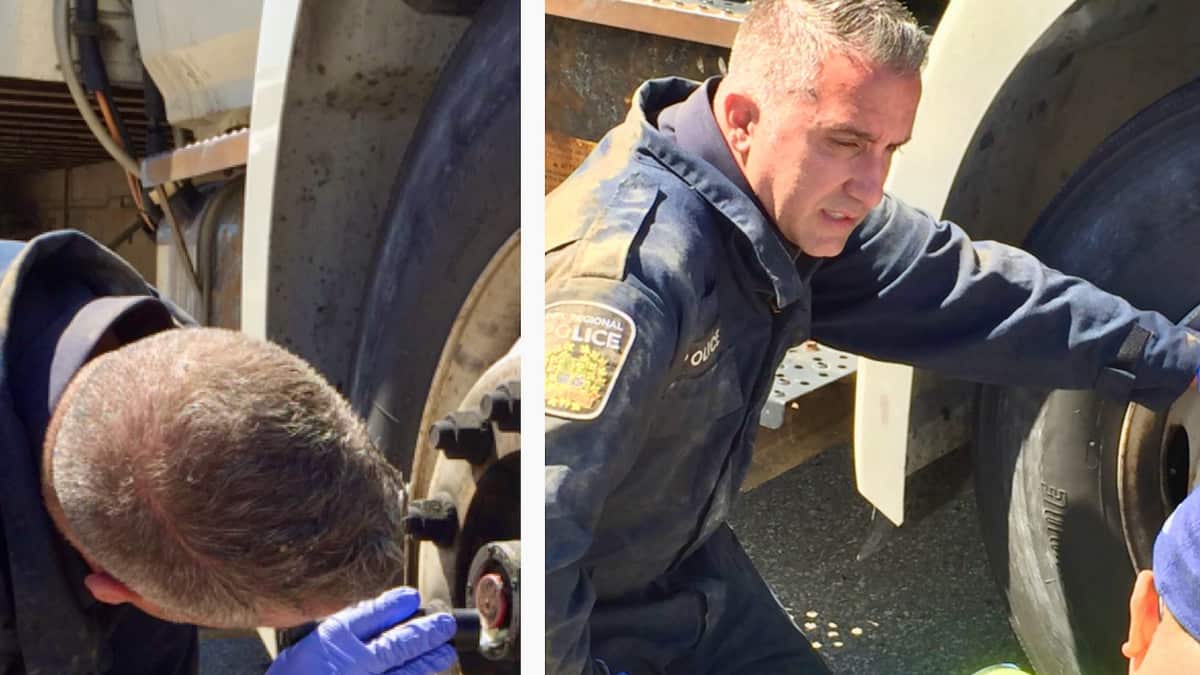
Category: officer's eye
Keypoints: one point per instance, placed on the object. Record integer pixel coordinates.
(845, 144)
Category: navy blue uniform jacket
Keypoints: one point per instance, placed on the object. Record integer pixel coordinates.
(648, 231)
(49, 622)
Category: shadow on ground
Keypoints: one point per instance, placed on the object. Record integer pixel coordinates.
(233, 656)
(922, 603)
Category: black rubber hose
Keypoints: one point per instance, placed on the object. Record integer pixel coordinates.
(86, 28)
(91, 61)
(95, 78)
(158, 129)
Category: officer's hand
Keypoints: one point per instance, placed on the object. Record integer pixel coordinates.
(365, 640)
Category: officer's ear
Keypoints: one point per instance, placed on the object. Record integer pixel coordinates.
(108, 590)
(1143, 618)
(739, 116)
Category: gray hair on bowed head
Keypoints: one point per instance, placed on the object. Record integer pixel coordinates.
(220, 476)
(781, 45)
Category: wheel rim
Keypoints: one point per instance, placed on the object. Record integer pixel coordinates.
(485, 496)
(484, 331)
(1158, 461)
(480, 354)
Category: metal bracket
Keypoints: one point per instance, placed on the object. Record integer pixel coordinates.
(711, 22)
(226, 151)
(806, 367)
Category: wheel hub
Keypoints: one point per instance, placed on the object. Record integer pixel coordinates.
(465, 521)
(1158, 462)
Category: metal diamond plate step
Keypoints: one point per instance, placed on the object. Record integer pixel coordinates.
(806, 367)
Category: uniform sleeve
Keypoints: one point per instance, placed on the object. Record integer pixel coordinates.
(911, 289)
(587, 458)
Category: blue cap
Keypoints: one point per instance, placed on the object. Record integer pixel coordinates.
(1177, 564)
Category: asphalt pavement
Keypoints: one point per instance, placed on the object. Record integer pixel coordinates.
(232, 656)
(922, 603)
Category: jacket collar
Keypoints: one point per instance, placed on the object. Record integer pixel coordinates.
(708, 174)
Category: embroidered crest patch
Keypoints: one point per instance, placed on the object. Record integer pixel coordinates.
(586, 345)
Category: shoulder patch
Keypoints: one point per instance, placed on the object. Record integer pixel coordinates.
(586, 346)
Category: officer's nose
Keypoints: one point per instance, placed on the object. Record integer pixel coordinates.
(866, 185)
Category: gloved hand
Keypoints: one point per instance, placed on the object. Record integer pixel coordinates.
(365, 640)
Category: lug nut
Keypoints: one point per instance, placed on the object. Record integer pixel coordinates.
(490, 600)
(434, 520)
(463, 435)
(503, 406)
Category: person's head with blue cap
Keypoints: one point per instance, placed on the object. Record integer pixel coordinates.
(1164, 609)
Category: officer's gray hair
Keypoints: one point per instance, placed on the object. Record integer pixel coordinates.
(220, 477)
(781, 45)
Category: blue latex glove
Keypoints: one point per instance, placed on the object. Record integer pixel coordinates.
(365, 640)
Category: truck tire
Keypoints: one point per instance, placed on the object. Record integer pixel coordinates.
(454, 208)
(443, 304)
(1049, 465)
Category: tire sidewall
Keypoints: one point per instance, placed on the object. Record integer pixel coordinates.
(1046, 461)
(455, 204)
(1051, 525)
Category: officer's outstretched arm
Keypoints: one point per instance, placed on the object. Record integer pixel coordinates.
(609, 347)
(911, 289)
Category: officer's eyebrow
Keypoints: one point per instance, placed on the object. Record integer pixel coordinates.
(851, 130)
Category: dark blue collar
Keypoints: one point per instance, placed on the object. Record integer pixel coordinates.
(692, 124)
(129, 317)
(54, 280)
(728, 192)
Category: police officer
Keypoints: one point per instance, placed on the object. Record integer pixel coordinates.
(722, 223)
(155, 476)
(1164, 607)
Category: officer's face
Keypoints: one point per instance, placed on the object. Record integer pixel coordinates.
(818, 164)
